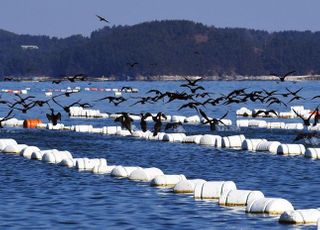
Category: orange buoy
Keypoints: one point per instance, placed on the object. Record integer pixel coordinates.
(31, 123)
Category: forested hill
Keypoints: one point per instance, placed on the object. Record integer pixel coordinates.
(162, 48)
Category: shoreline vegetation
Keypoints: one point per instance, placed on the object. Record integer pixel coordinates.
(163, 50)
(175, 78)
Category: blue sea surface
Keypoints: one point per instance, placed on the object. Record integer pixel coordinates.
(35, 195)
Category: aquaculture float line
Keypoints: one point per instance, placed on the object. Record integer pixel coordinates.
(225, 193)
(239, 142)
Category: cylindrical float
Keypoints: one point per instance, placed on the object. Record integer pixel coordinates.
(27, 152)
(123, 133)
(167, 180)
(312, 153)
(233, 141)
(239, 197)
(291, 149)
(276, 125)
(14, 149)
(103, 169)
(123, 172)
(174, 137)
(192, 139)
(211, 140)
(213, 189)
(192, 119)
(251, 144)
(268, 146)
(53, 156)
(177, 118)
(145, 174)
(111, 130)
(274, 206)
(294, 126)
(31, 123)
(68, 162)
(302, 216)
(187, 186)
(5, 142)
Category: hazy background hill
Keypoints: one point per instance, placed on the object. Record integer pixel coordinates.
(162, 48)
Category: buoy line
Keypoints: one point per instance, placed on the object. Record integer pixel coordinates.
(224, 192)
(238, 142)
(79, 112)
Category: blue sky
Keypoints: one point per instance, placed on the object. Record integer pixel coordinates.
(63, 18)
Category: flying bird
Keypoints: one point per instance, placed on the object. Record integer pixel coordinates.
(102, 19)
(132, 64)
(282, 77)
(213, 122)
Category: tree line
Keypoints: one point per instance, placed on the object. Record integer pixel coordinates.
(170, 47)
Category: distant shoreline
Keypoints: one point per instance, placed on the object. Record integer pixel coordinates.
(174, 78)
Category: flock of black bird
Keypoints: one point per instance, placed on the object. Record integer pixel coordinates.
(193, 95)
(192, 99)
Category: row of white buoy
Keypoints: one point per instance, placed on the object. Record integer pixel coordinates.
(78, 112)
(258, 123)
(245, 112)
(225, 192)
(233, 141)
(126, 90)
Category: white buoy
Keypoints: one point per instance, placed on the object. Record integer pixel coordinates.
(68, 162)
(36, 155)
(251, 144)
(269, 206)
(239, 197)
(276, 125)
(242, 123)
(5, 142)
(212, 140)
(192, 119)
(268, 146)
(41, 126)
(177, 118)
(27, 152)
(174, 137)
(312, 153)
(58, 126)
(85, 164)
(14, 148)
(257, 123)
(11, 122)
(291, 149)
(103, 169)
(244, 112)
(140, 133)
(158, 137)
(226, 122)
(213, 189)
(294, 126)
(167, 180)
(145, 174)
(187, 186)
(302, 216)
(123, 172)
(54, 156)
(83, 128)
(96, 130)
(123, 133)
(111, 130)
(192, 139)
(286, 115)
(234, 141)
